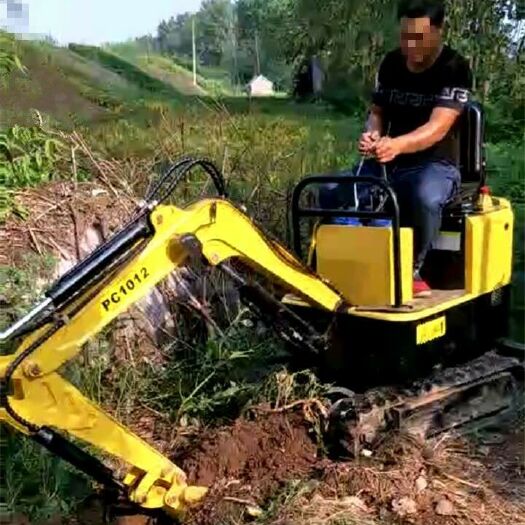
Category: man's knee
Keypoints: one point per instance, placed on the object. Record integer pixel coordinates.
(435, 187)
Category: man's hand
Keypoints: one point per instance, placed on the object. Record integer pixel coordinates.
(367, 141)
(387, 149)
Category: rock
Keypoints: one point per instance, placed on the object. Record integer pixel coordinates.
(254, 511)
(404, 506)
(366, 453)
(133, 520)
(354, 501)
(421, 484)
(445, 507)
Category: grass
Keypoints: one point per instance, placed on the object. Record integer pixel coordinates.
(264, 147)
(33, 481)
(126, 70)
(506, 172)
(39, 484)
(213, 79)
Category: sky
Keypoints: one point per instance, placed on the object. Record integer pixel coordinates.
(89, 21)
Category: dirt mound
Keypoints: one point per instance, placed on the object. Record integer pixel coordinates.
(247, 462)
(66, 219)
(442, 482)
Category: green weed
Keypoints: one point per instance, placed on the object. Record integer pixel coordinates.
(9, 54)
(127, 70)
(39, 484)
(34, 482)
(28, 157)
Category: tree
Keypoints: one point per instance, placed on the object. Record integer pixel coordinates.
(214, 30)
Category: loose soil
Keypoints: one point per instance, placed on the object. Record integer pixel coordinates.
(249, 464)
(248, 461)
(263, 452)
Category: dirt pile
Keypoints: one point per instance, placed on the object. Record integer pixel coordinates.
(65, 219)
(246, 463)
(449, 481)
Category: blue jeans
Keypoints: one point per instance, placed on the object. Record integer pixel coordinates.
(422, 191)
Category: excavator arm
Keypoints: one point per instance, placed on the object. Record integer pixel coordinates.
(36, 400)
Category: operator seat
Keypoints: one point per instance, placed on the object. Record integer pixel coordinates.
(471, 162)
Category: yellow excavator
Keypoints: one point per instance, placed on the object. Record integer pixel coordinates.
(421, 365)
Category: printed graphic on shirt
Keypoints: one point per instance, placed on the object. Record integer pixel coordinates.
(406, 98)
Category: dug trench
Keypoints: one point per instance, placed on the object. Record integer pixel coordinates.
(248, 462)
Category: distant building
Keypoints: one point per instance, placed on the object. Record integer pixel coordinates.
(260, 86)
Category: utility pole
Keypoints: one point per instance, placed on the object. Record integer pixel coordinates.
(257, 57)
(194, 51)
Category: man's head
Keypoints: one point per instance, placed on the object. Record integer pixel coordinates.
(421, 29)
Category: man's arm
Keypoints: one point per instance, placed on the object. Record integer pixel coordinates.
(441, 121)
(374, 124)
(375, 120)
(373, 130)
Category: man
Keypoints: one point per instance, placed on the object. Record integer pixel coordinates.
(421, 89)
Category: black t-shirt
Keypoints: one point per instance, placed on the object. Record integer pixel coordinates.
(407, 98)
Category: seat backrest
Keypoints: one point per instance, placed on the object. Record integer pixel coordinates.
(471, 145)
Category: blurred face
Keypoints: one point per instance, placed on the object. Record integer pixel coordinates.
(420, 40)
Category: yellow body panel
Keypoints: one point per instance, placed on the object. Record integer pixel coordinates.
(488, 264)
(359, 262)
(489, 238)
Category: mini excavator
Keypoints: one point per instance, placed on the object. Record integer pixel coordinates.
(422, 365)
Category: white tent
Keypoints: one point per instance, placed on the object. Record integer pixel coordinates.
(260, 86)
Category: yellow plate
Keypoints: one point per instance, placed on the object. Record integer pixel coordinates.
(431, 330)
(128, 286)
